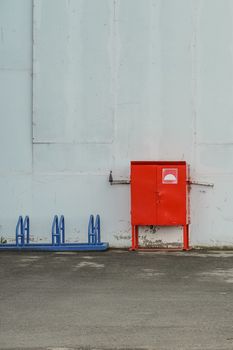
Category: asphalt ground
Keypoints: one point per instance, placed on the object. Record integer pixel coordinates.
(116, 300)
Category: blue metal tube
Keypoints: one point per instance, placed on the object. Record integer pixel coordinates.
(91, 231)
(61, 247)
(62, 228)
(55, 231)
(19, 232)
(97, 229)
(26, 228)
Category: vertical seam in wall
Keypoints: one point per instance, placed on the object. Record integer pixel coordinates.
(114, 80)
(194, 83)
(32, 117)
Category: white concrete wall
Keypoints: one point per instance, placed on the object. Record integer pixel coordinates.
(88, 85)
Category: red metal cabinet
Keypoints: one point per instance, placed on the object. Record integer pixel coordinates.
(159, 196)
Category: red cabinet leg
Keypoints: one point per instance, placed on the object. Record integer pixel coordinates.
(133, 237)
(136, 237)
(186, 237)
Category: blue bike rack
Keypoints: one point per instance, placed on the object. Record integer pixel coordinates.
(97, 229)
(94, 230)
(58, 230)
(91, 231)
(22, 231)
(22, 234)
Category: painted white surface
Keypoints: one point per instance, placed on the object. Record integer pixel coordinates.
(86, 86)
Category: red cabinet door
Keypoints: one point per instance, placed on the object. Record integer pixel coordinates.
(143, 194)
(171, 191)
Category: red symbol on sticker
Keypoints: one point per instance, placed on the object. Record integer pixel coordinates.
(170, 176)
